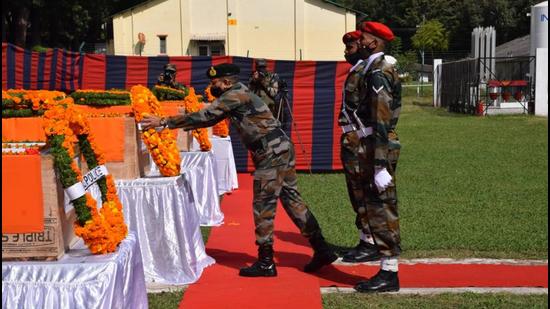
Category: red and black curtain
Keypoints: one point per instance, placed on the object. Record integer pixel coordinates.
(315, 90)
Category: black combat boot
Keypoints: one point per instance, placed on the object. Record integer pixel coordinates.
(322, 255)
(264, 267)
(383, 281)
(363, 252)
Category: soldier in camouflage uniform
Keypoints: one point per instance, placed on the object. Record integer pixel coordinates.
(168, 78)
(274, 160)
(377, 118)
(350, 149)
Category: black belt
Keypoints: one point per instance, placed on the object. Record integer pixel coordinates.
(259, 143)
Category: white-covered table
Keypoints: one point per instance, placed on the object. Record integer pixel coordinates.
(163, 214)
(226, 171)
(78, 280)
(199, 168)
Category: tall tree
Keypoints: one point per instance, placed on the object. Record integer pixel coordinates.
(431, 36)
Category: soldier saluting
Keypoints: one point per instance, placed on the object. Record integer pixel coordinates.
(274, 160)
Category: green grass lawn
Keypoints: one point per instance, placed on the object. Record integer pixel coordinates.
(467, 187)
(447, 300)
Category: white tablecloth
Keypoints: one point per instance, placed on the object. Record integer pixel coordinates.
(163, 213)
(78, 280)
(226, 171)
(199, 168)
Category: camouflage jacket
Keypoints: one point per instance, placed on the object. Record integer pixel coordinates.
(353, 93)
(247, 112)
(266, 88)
(381, 107)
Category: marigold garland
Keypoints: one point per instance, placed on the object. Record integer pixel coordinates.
(221, 128)
(164, 93)
(161, 145)
(102, 230)
(101, 97)
(27, 103)
(192, 105)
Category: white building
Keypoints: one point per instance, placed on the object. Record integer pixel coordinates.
(274, 29)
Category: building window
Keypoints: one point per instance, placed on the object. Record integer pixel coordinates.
(162, 39)
(203, 50)
(208, 48)
(216, 50)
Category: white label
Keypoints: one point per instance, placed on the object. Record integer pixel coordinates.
(75, 191)
(94, 175)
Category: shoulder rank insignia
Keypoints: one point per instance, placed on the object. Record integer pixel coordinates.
(377, 90)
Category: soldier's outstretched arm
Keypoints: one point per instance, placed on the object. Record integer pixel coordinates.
(206, 117)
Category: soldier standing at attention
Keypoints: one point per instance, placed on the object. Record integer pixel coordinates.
(377, 118)
(168, 78)
(350, 149)
(274, 161)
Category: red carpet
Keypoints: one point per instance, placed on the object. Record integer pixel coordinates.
(232, 245)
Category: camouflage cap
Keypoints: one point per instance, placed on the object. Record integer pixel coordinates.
(170, 67)
(221, 70)
(261, 63)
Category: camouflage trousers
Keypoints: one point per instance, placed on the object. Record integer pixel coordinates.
(274, 178)
(379, 211)
(355, 176)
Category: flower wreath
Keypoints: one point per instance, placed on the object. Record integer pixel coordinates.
(161, 145)
(192, 105)
(221, 128)
(101, 230)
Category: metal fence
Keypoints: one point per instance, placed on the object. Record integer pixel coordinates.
(491, 81)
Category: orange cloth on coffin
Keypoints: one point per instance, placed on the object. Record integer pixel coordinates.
(109, 135)
(23, 129)
(22, 197)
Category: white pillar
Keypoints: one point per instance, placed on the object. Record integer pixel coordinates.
(437, 82)
(541, 83)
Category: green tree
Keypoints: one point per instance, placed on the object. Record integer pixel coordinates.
(431, 36)
(394, 47)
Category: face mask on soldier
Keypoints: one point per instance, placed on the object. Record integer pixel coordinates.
(366, 50)
(352, 58)
(216, 91)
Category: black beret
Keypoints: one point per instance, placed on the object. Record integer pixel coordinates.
(221, 70)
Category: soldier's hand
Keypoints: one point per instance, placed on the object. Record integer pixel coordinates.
(150, 121)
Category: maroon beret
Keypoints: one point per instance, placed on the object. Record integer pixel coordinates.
(377, 29)
(351, 36)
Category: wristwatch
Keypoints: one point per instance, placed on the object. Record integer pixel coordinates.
(163, 122)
